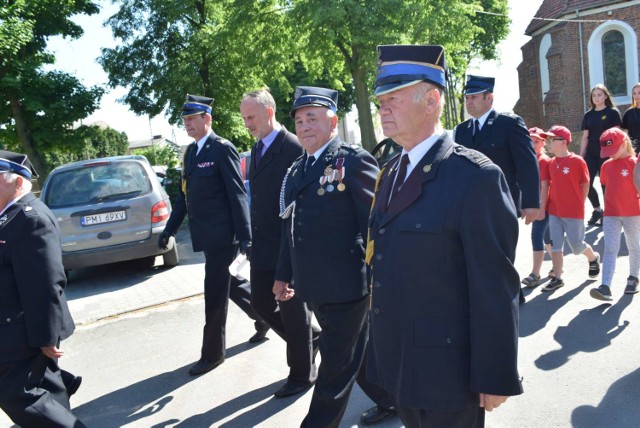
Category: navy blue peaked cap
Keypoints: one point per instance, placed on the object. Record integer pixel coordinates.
(478, 84)
(312, 96)
(400, 66)
(196, 104)
(16, 163)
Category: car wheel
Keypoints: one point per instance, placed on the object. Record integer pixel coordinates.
(145, 262)
(171, 257)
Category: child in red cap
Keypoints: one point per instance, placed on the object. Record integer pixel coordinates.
(622, 210)
(540, 227)
(566, 180)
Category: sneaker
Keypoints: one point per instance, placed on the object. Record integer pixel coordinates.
(601, 293)
(554, 284)
(594, 267)
(596, 218)
(532, 280)
(632, 285)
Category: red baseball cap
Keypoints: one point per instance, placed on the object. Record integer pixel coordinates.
(535, 132)
(557, 131)
(610, 142)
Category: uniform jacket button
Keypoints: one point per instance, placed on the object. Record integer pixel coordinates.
(8, 319)
(449, 340)
(381, 231)
(376, 311)
(379, 257)
(418, 225)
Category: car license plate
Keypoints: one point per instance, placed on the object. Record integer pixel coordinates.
(89, 220)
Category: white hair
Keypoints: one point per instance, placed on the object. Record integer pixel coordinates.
(24, 187)
(420, 95)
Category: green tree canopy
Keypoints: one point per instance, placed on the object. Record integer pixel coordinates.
(87, 142)
(224, 48)
(39, 107)
(219, 49)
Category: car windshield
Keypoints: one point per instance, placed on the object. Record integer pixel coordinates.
(96, 183)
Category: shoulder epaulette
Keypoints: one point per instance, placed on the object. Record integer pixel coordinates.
(473, 156)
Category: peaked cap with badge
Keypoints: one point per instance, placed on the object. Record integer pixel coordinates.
(478, 84)
(400, 66)
(17, 163)
(313, 96)
(197, 104)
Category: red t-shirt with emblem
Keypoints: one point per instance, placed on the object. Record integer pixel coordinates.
(543, 162)
(565, 175)
(620, 196)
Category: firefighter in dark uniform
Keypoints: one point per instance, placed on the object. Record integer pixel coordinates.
(503, 138)
(214, 197)
(326, 198)
(34, 316)
(442, 241)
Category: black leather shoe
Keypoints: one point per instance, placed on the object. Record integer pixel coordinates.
(376, 414)
(259, 336)
(74, 385)
(204, 366)
(289, 389)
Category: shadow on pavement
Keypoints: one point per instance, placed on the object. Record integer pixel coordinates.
(591, 330)
(142, 399)
(249, 418)
(535, 314)
(618, 408)
(122, 407)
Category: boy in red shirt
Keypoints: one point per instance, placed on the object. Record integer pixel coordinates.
(622, 210)
(566, 180)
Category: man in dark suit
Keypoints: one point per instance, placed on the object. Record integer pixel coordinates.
(326, 198)
(271, 157)
(443, 232)
(503, 138)
(34, 316)
(213, 196)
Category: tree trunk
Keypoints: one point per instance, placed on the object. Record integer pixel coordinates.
(365, 119)
(24, 136)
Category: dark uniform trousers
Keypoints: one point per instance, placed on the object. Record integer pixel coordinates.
(33, 394)
(216, 300)
(345, 330)
(473, 417)
(291, 320)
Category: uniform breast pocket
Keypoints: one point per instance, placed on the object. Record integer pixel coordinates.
(204, 171)
(429, 221)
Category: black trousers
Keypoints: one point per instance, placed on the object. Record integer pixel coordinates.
(240, 294)
(217, 291)
(33, 394)
(419, 418)
(291, 320)
(343, 340)
(593, 165)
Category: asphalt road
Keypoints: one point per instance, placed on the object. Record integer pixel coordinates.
(139, 331)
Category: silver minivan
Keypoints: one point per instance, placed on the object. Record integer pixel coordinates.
(109, 210)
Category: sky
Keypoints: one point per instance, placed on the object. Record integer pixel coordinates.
(78, 57)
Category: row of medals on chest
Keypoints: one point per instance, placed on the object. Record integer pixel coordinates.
(331, 176)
